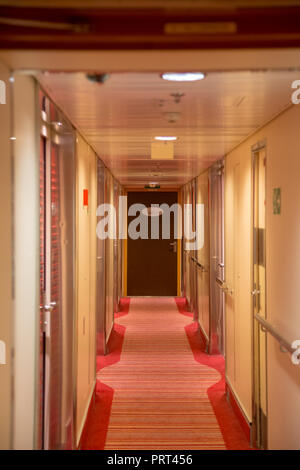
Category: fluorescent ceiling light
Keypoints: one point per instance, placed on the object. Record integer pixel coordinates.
(183, 77)
(165, 137)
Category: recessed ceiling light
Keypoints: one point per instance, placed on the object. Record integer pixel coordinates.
(165, 137)
(183, 76)
(13, 138)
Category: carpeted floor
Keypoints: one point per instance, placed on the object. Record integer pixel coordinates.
(157, 389)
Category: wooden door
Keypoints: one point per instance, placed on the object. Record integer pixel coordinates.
(152, 263)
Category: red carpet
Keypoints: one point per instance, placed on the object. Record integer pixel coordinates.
(233, 434)
(162, 391)
(94, 433)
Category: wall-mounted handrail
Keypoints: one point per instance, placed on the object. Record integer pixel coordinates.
(199, 265)
(285, 346)
(223, 286)
(196, 262)
(220, 283)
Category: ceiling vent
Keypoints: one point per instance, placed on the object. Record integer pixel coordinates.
(172, 117)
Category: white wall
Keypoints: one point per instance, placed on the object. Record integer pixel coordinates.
(26, 260)
(283, 274)
(6, 264)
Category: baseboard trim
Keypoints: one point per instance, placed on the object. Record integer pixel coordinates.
(237, 409)
(87, 413)
(204, 338)
(109, 334)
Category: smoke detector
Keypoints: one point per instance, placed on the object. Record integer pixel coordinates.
(177, 97)
(172, 117)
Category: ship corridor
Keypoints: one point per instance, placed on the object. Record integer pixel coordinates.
(126, 332)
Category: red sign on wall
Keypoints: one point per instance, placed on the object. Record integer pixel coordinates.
(85, 197)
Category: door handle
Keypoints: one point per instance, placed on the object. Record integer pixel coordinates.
(173, 246)
(47, 309)
(256, 298)
(50, 307)
(255, 292)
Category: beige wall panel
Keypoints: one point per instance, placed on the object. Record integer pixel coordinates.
(26, 261)
(86, 278)
(283, 274)
(238, 277)
(5, 269)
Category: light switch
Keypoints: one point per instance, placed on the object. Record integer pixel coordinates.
(2, 352)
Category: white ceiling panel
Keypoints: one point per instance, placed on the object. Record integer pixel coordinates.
(121, 117)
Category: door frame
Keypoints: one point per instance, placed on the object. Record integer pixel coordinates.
(219, 167)
(45, 130)
(101, 289)
(256, 419)
(124, 247)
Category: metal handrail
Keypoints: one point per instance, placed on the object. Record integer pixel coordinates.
(223, 286)
(220, 283)
(285, 346)
(197, 262)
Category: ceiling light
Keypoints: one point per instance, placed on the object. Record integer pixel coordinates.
(183, 76)
(165, 138)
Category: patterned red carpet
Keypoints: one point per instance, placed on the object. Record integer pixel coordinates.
(161, 392)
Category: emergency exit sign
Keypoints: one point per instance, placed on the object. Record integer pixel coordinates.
(85, 198)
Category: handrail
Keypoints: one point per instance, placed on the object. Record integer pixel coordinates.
(197, 262)
(223, 286)
(220, 283)
(285, 346)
